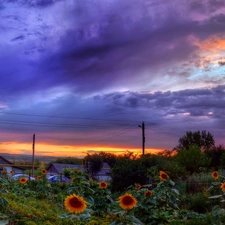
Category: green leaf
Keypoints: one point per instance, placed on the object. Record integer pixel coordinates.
(172, 183)
(216, 183)
(67, 215)
(90, 200)
(176, 191)
(136, 220)
(85, 217)
(210, 188)
(3, 202)
(110, 199)
(115, 223)
(215, 196)
(4, 222)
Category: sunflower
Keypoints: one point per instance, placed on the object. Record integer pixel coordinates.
(215, 175)
(4, 172)
(23, 180)
(38, 177)
(73, 179)
(103, 184)
(138, 187)
(11, 172)
(148, 193)
(222, 186)
(44, 172)
(127, 201)
(163, 176)
(75, 171)
(74, 203)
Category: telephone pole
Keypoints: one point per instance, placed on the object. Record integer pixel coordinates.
(143, 137)
(33, 147)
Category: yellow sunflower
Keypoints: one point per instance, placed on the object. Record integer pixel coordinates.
(222, 186)
(74, 203)
(38, 177)
(44, 171)
(4, 172)
(215, 175)
(148, 193)
(103, 184)
(138, 187)
(23, 180)
(127, 201)
(11, 172)
(163, 176)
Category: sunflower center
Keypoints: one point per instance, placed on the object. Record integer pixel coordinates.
(75, 202)
(148, 193)
(164, 176)
(127, 200)
(103, 184)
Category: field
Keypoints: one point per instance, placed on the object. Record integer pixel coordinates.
(84, 201)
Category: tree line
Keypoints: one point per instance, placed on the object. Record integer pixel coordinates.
(196, 152)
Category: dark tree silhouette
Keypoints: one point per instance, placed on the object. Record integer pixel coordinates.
(203, 139)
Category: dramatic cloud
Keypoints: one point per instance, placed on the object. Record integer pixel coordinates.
(68, 67)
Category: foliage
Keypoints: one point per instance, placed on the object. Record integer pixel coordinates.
(197, 200)
(69, 160)
(198, 182)
(94, 163)
(217, 156)
(108, 158)
(203, 139)
(127, 172)
(192, 160)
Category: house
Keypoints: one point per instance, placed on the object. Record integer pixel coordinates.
(102, 175)
(57, 168)
(8, 166)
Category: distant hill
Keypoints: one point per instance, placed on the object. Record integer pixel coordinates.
(18, 157)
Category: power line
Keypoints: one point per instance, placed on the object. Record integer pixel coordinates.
(69, 117)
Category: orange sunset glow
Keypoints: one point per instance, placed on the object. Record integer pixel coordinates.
(44, 149)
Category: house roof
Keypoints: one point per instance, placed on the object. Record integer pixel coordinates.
(4, 161)
(59, 167)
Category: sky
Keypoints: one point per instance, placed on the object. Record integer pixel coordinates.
(83, 75)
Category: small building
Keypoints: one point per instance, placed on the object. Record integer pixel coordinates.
(104, 174)
(8, 166)
(57, 168)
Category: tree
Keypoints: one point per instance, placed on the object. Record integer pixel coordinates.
(193, 159)
(201, 139)
(109, 158)
(94, 163)
(216, 154)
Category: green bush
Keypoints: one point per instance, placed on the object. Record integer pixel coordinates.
(198, 202)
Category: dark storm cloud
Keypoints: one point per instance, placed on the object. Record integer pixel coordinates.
(221, 63)
(21, 37)
(197, 102)
(121, 49)
(107, 45)
(33, 3)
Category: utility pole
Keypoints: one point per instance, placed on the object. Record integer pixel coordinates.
(33, 155)
(143, 137)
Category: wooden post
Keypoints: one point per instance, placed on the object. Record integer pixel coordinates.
(33, 155)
